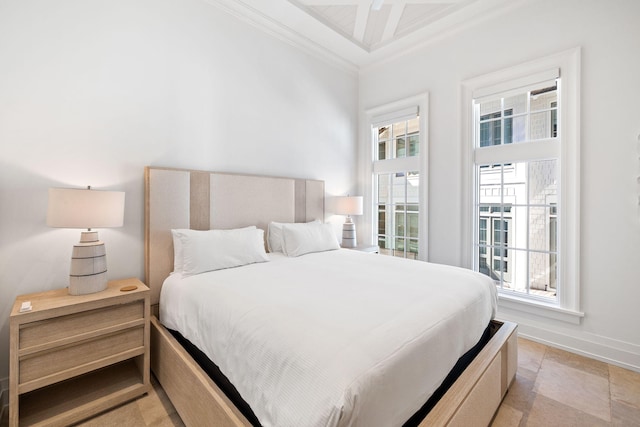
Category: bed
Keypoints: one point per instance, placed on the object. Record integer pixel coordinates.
(184, 199)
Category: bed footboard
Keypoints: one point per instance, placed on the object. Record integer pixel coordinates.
(195, 396)
(471, 401)
(476, 395)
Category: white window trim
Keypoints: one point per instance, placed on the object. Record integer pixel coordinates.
(568, 62)
(372, 117)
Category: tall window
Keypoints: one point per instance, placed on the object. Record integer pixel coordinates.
(523, 148)
(398, 196)
(398, 141)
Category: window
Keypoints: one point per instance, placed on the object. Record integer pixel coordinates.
(522, 186)
(398, 184)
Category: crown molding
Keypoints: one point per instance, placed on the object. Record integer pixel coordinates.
(249, 14)
(292, 25)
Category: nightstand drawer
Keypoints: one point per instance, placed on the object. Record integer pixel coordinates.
(76, 327)
(60, 363)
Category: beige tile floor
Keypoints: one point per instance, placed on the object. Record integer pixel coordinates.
(552, 388)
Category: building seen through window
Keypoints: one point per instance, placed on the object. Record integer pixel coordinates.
(397, 195)
(516, 202)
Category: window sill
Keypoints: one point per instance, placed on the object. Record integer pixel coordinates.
(539, 308)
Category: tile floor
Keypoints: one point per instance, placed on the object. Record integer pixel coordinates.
(552, 388)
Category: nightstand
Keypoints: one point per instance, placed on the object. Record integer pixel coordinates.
(73, 356)
(373, 249)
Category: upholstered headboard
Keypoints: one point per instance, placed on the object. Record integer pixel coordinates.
(180, 198)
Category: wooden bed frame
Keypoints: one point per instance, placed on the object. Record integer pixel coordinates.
(178, 198)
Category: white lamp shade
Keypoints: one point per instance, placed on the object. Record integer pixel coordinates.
(79, 208)
(349, 205)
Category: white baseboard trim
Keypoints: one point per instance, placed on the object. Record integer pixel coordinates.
(4, 396)
(623, 354)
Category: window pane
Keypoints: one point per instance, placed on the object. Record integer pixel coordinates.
(519, 129)
(382, 150)
(508, 130)
(400, 147)
(384, 139)
(399, 247)
(490, 130)
(482, 231)
(490, 185)
(412, 224)
(412, 248)
(413, 187)
(399, 228)
(542, 182)
(518, 225)
(399, 129)
(539, 223)
(542, 98)
(384, 189)
(490, 107)
(382, 215)
(540, 125)
(516, 104)
(540, 274)
(515, 274)
(413, 125)
(399, 188)
(414, 145)
(483, 267)
(384, 133)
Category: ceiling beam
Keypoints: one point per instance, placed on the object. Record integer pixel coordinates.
(362, 16)
(393, 21)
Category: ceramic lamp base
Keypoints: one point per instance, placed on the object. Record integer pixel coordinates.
(88, 265)
(349, 234)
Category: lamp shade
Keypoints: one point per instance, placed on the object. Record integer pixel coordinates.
(79, 208)
(349, 205)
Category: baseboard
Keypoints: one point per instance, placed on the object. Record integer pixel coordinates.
(614, 352)
(4, 396)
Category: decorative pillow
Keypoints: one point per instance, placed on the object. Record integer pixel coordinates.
(217, 249)
(300, 239)
(274, 235)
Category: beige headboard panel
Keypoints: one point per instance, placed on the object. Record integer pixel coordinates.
(180, 198)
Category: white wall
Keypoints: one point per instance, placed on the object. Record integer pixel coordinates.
(92, 91)
(609, 35)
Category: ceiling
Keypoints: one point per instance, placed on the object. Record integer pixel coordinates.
(372, 24)
(359, 33)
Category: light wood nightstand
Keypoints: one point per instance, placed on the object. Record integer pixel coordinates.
(74, 356)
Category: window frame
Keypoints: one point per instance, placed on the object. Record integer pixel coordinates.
(394, 110)
(567, 63)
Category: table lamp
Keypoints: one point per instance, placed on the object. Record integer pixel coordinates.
(80, 208)
(349, 205)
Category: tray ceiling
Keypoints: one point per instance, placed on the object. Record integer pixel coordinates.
(358, 33)
(372, 24)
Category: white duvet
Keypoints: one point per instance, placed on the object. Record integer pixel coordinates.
(338, 338)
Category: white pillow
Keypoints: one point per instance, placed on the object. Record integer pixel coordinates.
(217, 249)
(274, 235)
(300, 239)
(177, 251)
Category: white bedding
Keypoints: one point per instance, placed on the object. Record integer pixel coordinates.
(338, 338)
